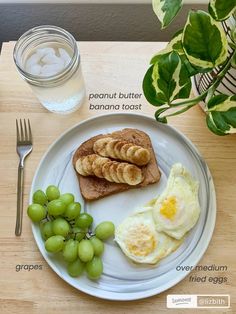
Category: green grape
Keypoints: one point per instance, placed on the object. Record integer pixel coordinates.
(56, 207)
(36, 212)
(52, 192)
(75, 268)
(85, 250)
(72, 211)
(105, 230)
(84, 220)
(70, 250)
(46, 230)
(98, 246)
(54, 244)
(94, 268)
(60, 227)
(79, 233)
(67, 198)
(40, 197)
(79, 236)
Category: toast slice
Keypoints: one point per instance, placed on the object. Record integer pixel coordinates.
(93, 188)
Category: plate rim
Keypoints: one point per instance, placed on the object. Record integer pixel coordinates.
(111, 295)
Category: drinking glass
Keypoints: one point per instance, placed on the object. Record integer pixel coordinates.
(48, 59)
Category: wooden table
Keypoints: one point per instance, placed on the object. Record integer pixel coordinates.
(108, 67)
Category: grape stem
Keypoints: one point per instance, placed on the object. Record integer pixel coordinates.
(48, 217)
(89, 234)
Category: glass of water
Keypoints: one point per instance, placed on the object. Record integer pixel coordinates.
(48, 58)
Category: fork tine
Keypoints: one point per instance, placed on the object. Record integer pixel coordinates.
(17, 132)
(21, 131)
(30, 133)
(26, 132)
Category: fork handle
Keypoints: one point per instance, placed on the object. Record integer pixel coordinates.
(20, 192)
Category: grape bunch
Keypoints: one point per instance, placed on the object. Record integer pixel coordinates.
(65, 229)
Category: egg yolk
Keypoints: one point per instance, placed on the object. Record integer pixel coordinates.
(168, 208)
(141, 241)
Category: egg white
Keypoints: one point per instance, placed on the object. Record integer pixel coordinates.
(139, 240)
(182, 191)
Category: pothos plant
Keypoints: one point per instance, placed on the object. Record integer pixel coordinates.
(199, 47)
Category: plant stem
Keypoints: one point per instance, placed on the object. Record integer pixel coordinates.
(190, 101)
(179, 111)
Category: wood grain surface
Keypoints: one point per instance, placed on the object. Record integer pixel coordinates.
(108, 67)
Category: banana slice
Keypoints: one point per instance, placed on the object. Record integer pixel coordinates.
(132, 174)
(141, 157)
(113, 172)
(99, 146)
(110, 148)
(120, 171)
(131, 151)
(124, 149)
(97, 166)
(79, 167)
(87, 162)
(117, 148)
(106, 171)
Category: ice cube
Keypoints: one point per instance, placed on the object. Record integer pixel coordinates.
(52, 59)
(51, 69)
(44, 51)
(34, 69)
(33, 59)
(65, 56)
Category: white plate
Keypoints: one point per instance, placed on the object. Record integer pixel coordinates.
(121, 279)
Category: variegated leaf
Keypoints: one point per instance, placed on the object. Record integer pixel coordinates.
(204, 41)
(176, 45)
(166, 10)
(149, 91)
(221, 114)
(221, 9)
(166, 80)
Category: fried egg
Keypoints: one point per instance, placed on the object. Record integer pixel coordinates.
(177, 209)
(139, 240)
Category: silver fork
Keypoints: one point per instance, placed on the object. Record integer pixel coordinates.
(24, 146)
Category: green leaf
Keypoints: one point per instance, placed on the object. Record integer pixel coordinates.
(149, 91)
(212, 126)
(190, 68)
(166, 10)
(166, 80)
(221, 9)
(216, 100)
(221, 114)
(170, 78)
(175, 44)
(204, 40)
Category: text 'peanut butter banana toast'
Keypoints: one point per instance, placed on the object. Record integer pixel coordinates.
(123, 160)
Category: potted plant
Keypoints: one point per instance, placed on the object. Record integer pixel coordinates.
(198, 49)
